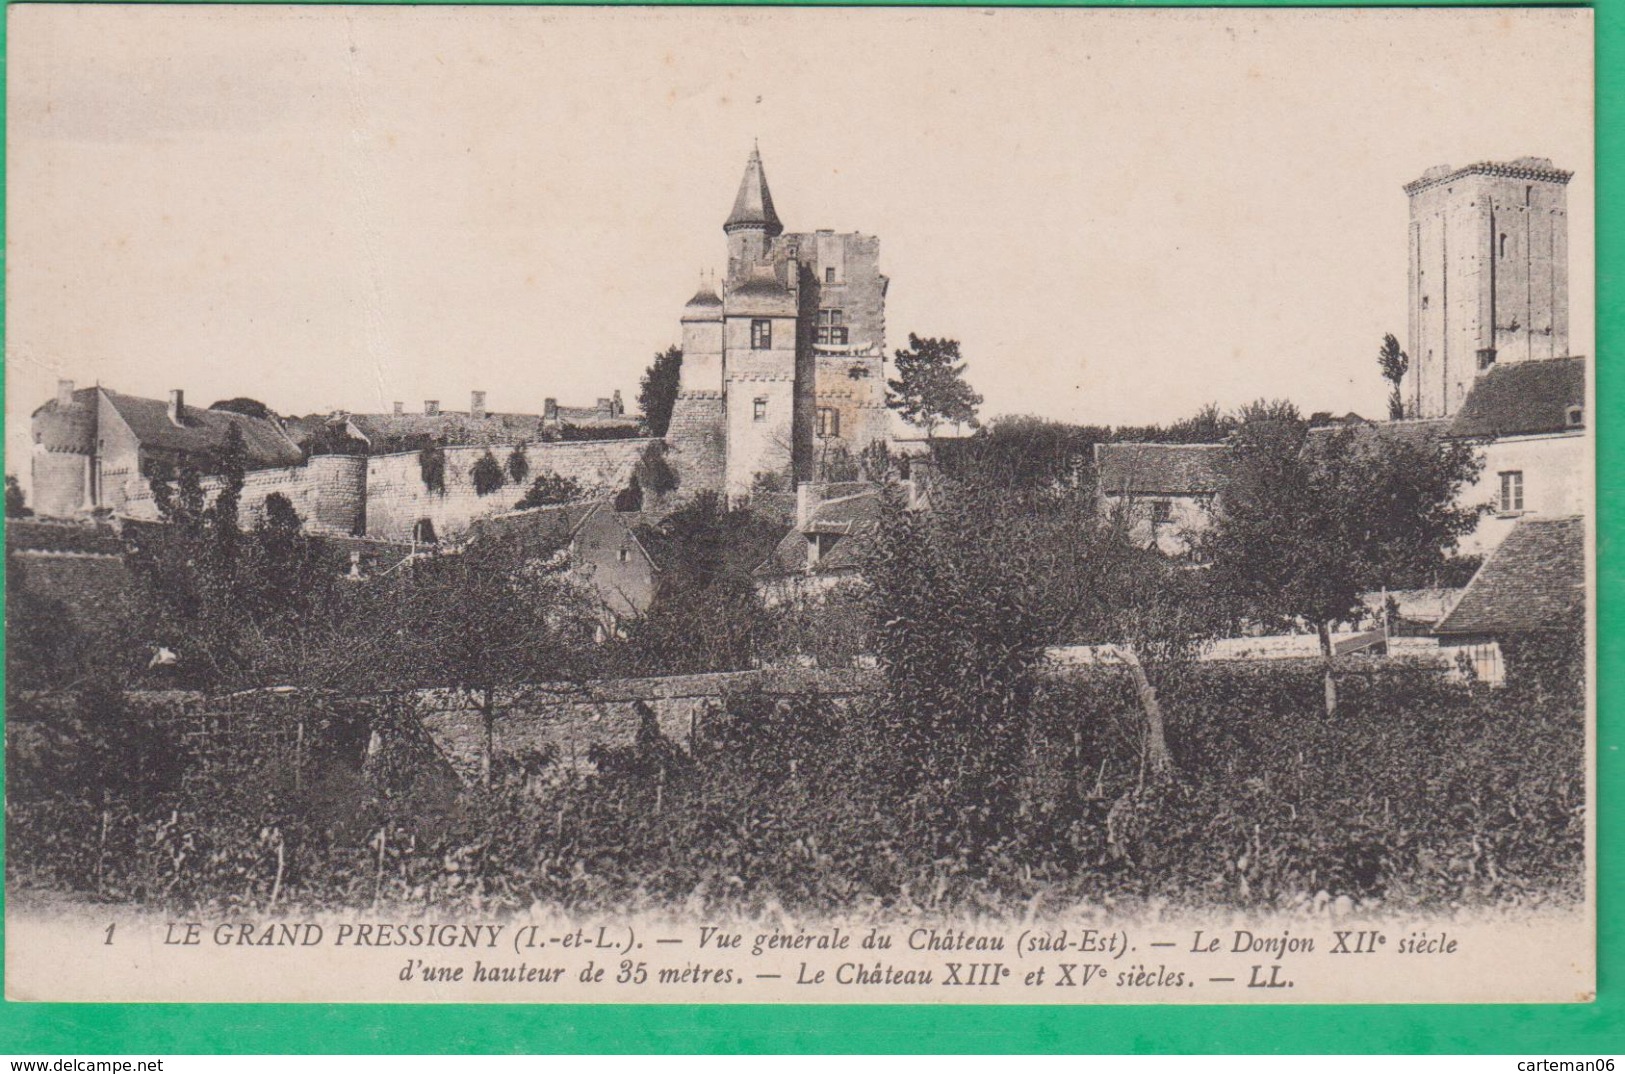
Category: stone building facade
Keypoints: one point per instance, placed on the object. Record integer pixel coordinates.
(783, 371)
(1488, 276)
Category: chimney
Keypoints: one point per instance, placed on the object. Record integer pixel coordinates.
(806, 500)
(177, 406)
(550, 410)
(431, 407)
(64, 393)
(617, 408)
(476, 405)
(400, 408)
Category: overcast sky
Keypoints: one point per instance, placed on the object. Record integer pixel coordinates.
(1121, 215)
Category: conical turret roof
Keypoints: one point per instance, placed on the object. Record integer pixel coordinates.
(753, 207)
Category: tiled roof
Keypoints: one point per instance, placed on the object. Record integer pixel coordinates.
(69, 428)
(853, 520)
(1161, 469)
(753, 205)
(542, 530)
(451, 427)
(1522, 398)
(203, 432)
(1534, 581)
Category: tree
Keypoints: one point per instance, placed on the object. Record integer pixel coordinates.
(16, 502)
(487, 474)
(930, 388)
(1308, 523)
(1394, 364)
(706, 614)
(488, 621)
(549, 489)
(657, 392)
(248, 408)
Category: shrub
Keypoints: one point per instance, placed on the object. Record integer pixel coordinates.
(549, 489)
(487, 474)
(432, 467)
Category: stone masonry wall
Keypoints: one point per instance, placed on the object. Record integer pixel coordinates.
(570, 720)
(397, 498)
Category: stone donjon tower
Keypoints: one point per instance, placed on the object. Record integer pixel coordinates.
(783, 376)
(1489, 280)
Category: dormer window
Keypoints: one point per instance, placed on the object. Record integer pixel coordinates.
(1576, 417)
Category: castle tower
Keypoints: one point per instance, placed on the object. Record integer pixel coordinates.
(1488, 275)
(753, 224)
(784, 371)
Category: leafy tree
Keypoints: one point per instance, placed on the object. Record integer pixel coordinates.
(487, 474)
(518, 465)
(487, 622)
(16, 502)
(1394, 364)
(930, 388)
(706, 615)
(248, 408)
(657, 392)
(549, 489)
(1310, 523)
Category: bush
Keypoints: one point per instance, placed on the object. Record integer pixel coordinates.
(487, 474)
(1424, 794)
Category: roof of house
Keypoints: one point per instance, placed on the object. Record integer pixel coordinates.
(451, 427)
(68, 428)
(1524, 398)
(1161, 469)
(1533, 581)
(543, 530)
(854, 519)
(753, 205)
(203, 432)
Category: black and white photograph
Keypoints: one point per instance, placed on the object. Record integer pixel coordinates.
(706, 505)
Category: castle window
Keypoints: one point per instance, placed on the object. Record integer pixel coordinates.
(1576, 416)
(1511, 502)
(829, 421)
(626, 555)
(831, 327)
(1503, 244)
(1424, 301)
(759, 409)
(829, 273)
(761, 335)
(1162, 511)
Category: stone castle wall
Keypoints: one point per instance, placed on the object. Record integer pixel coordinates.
(398, 498)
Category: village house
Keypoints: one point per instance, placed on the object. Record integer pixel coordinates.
(1526, 602)
(599, 543)
(1164, 493)
(1528, 421)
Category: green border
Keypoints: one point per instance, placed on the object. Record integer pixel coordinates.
(1536, 1030)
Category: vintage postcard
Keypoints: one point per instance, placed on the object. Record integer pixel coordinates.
(800, 505)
